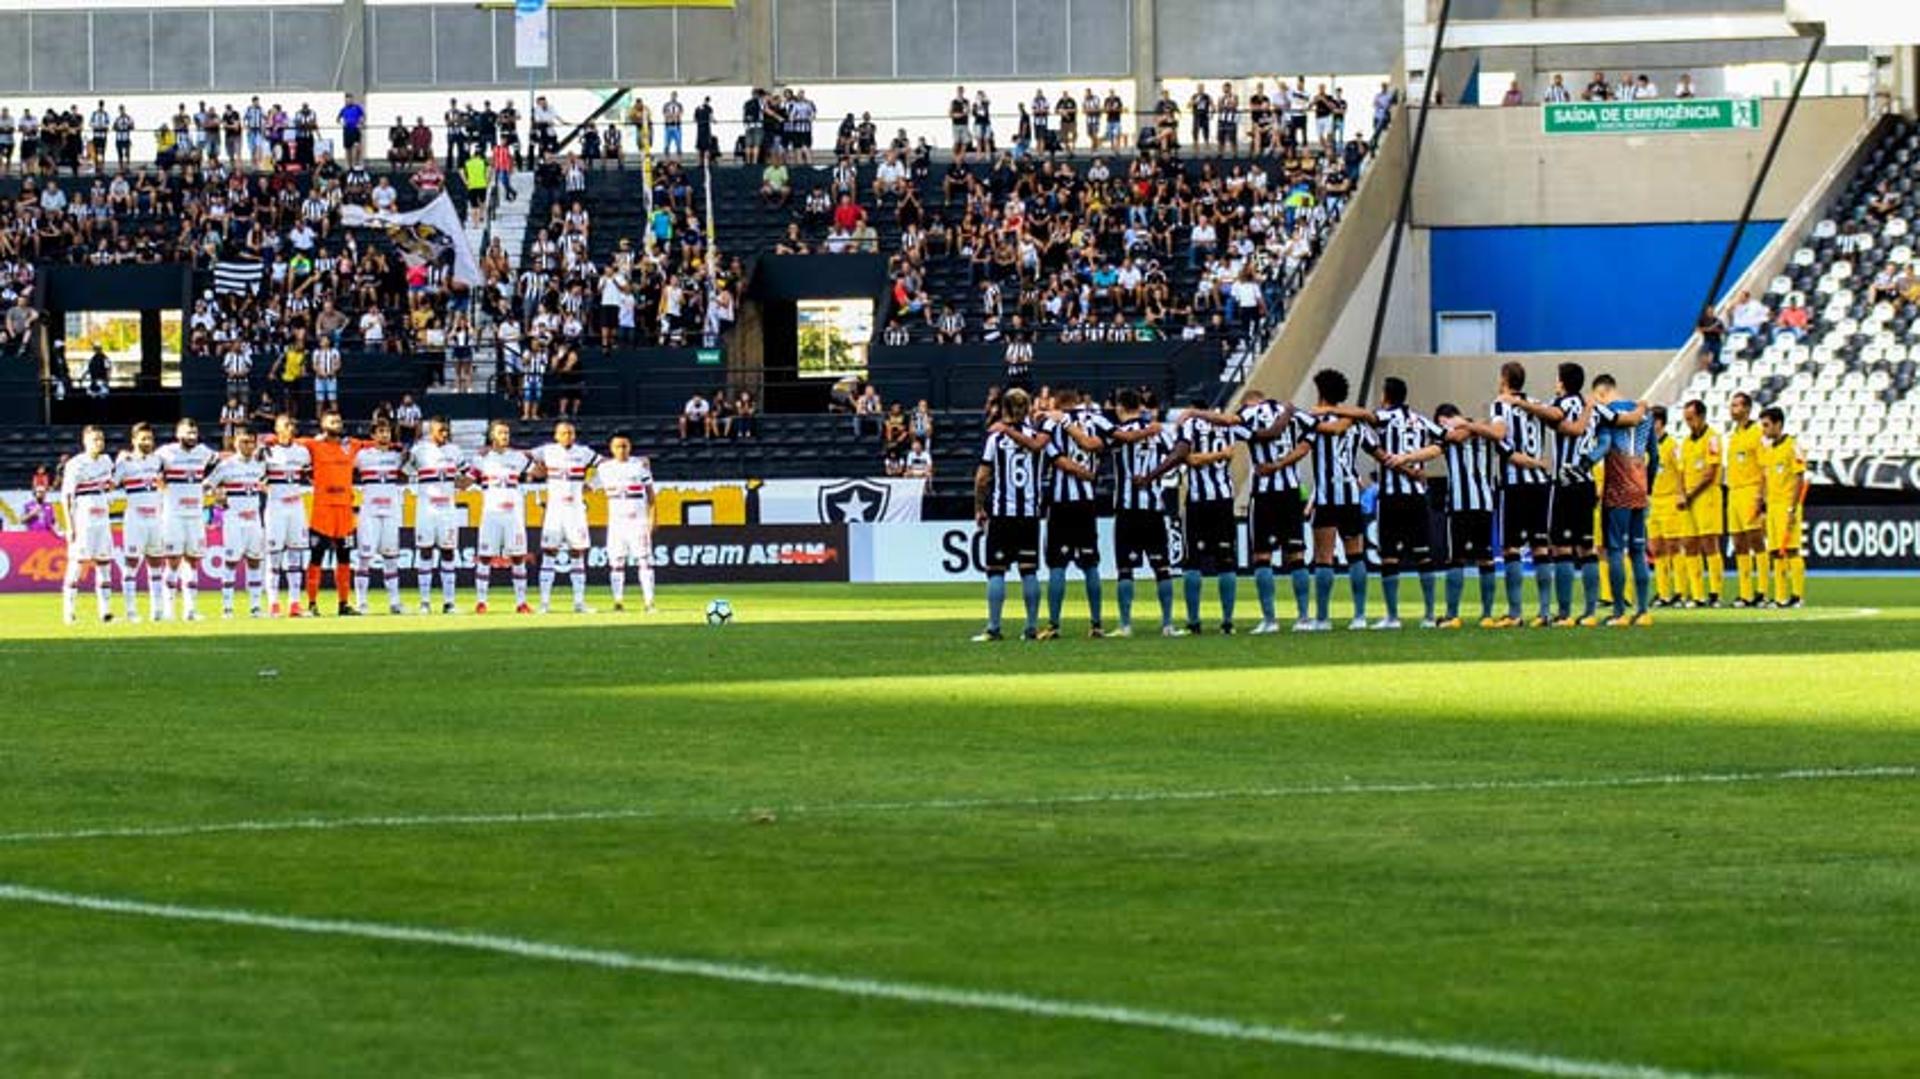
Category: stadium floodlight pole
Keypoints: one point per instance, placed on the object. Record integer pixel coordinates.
(1766, 168)
(1404, 212)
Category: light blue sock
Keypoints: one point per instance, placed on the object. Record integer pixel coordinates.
(1092, 576)
(1543, 571)
(1486, 591)
(1302, 589)
(1163, 587)
(1516, 586)
(1030, 592)
(1322, 592)
(1357, 581)
(1390, 588)
(1229, 587)
(1456, 585)
(1263, 585)
(1563, 571)
(1617, 576)
(996, 599)
(1642, 582)
(1589, 586)
(1124, 589)
(1056, 594)
(1190, 584)
(1426, 592)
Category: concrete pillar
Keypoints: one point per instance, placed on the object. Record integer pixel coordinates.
(759, 18)
(1146, 65)
(355, 70)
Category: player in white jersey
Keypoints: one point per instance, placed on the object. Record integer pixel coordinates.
(86, 495)
(563, 527)
(137, 474)
(239, 482)
(438, 470)
(289, 469)
(499, 473)
(184, 464)
(628, 482)
(377, 472)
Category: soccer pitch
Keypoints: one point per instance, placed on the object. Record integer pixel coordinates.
(835, 837)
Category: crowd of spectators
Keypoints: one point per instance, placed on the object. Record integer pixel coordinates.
(1629, 87)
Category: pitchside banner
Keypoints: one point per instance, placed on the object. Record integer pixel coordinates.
(1863, 537)
(851, 501)
(37, 561)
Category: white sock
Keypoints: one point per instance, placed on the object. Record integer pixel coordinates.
(577, 573)
(167, 578)
(519, 584)
(255, 585)
(482, 574)
(646, 581)
(617, 576)
(189, 588)
(446, 578)
(359, 582)
(423, 563)
(391, 573)
(269, 574)
(69, 588)
(102, 590)
(130, 587)
(547, 571)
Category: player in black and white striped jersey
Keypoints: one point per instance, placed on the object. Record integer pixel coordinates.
(1007, 500)
(1405, 519)
(1571, 514)
(1076, 436)
(1140, 522)
(1278, 438)
(1526, 493)
(1340, 436)
(1203, 443)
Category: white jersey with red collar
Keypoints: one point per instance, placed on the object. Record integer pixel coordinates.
(379, 474)
(138, 477)
(184, 470)
(287, 473)
(243, 482)
(87, 480)
(435, 469)
(628, 484)
(566, 468)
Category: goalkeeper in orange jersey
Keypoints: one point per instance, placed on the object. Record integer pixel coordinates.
(331, 523)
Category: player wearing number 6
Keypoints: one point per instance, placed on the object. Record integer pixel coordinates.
(86, 488)
(1006, 499)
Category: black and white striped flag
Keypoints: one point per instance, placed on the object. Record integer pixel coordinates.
(237, 276)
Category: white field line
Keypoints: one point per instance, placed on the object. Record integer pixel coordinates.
(330, 824)
(866, 988)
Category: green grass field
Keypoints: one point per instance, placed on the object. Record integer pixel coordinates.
(836, 838)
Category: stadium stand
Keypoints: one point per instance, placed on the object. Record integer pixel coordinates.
(1835, 338)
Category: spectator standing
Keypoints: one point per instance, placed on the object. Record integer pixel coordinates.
(1557, 93)
(1513, 95)
(670, 120)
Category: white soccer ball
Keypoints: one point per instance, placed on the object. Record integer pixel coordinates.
(719, 612)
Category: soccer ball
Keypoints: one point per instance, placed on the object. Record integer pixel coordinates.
(719, 612)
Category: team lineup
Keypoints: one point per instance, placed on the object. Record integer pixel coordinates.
(289, 504)
(1592, 489)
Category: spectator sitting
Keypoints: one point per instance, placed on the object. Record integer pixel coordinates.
(894, 439)
(745, 416)
(775, 186)
(867, 411)
(846, 389)
(1791, 326)
(921, 423)
(1748, 315)
(890, 179)
(693, 416)
(918, 463)
(719, 421)
(18, 327)
(848, 215)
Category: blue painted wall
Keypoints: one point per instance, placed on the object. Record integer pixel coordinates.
(1575, 287)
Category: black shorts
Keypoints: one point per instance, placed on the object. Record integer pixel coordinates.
(1071, 537)
(320, 541)
(1349, 520)
(1140, 537)
(1012, 541)
(1573, 506)
(350, 137)
(1469, 537)
(1404, 528)
(1279, 524)
(1524, 515)
(1210, 539)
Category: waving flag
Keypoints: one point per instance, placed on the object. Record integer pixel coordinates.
(425, 235)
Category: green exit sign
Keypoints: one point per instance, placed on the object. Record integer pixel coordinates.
(1642, 117)
(707, 357)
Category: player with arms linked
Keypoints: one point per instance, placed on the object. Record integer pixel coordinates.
(1140, 526)
(1076, 434)
(1007, 502)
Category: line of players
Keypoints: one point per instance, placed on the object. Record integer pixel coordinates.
(289, 503)
(1542, 474)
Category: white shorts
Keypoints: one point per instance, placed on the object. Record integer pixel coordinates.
(378, 535)
(287, 526)
(502, 535)
(92, 534)
(243, 538)
(140, 533)
(629, 541)
(565, 525)
(184, 536)
(437, 525)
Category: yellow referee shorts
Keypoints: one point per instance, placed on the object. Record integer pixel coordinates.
(1743, 509)
(1706, 516)
(1783, 528)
